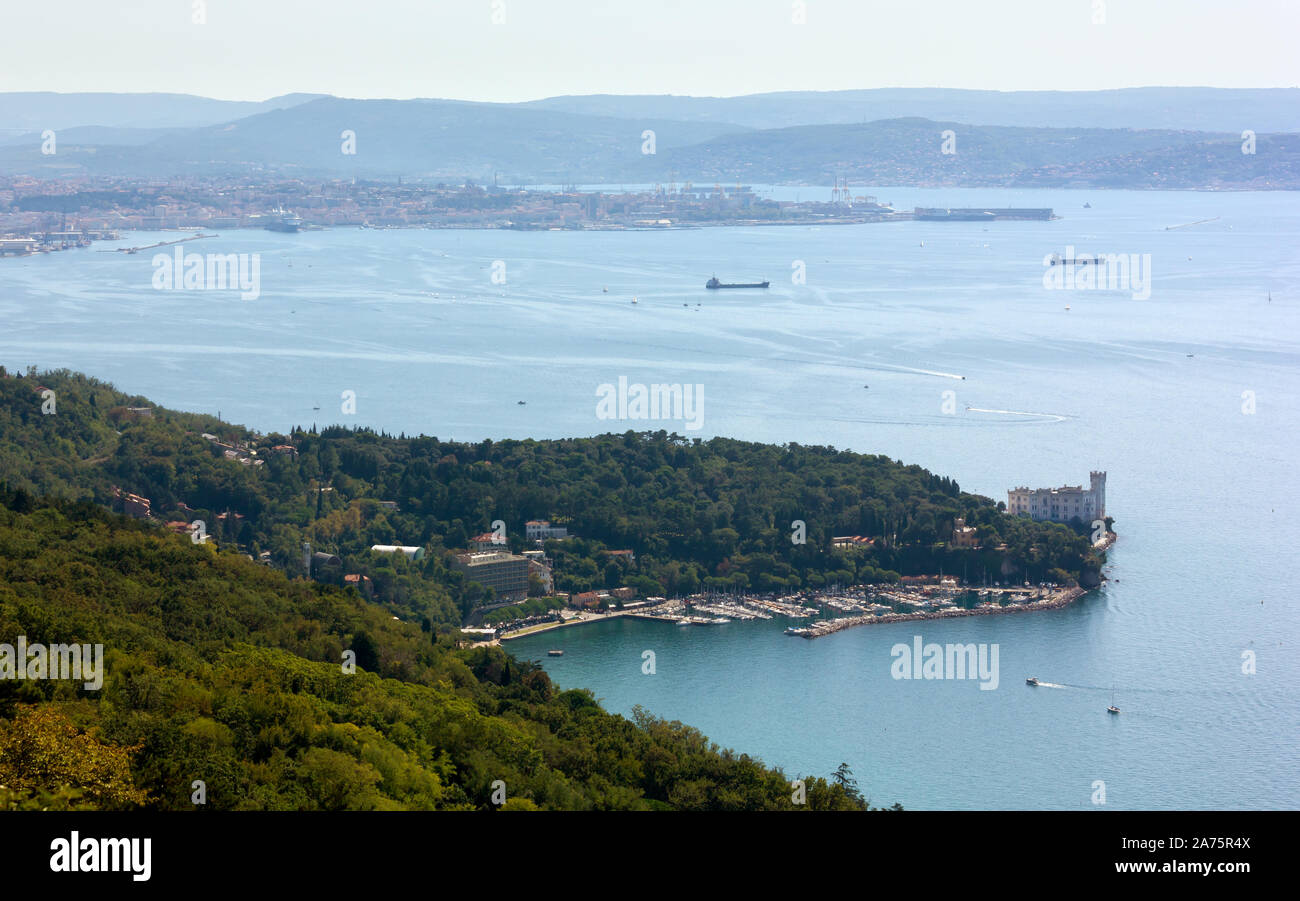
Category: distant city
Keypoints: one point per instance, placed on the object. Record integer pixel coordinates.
(45, 214)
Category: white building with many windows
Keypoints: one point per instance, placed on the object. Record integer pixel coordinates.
(1061, 504)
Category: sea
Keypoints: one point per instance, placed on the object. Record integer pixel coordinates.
(954, 345)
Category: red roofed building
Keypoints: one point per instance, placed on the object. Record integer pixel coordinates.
(484, 542)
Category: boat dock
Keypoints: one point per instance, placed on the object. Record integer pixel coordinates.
(830, 626)
(732, 611)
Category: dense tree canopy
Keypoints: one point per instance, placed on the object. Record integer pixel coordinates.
(230, 673)
(698, 515)
(221, 671)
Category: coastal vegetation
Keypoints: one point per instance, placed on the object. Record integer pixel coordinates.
(232, 675)
(718, 515)
(225, 673)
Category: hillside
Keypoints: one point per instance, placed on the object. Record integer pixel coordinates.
(218, 670)
(35, 111)
(1181, 108)
(1173, 108)
(226, 671)
(451, 141)
(416, 138)
(698, 515)
(909, 151)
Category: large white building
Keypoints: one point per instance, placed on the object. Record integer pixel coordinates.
(1061, 504)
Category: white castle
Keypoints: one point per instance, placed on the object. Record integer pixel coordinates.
(1061, 504)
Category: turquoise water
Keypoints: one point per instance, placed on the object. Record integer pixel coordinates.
(1204, 495)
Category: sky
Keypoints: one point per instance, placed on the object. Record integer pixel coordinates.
(513, 50)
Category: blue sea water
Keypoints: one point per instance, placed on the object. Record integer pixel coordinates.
(1157, 392)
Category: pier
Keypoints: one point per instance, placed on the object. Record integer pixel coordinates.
(159, 244)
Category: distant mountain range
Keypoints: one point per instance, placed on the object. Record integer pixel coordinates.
(41, 110)
(751, 139)
(426, 138)
(1188, 109)
(911, 152)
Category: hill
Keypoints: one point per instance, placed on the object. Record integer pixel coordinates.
(1171, 108)
(221, 672)
(232, 673)
(697, 515)
(438, 139)
(450, 141)
(35, 111)
(910, 152)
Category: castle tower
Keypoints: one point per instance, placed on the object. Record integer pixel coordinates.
(1098, 480)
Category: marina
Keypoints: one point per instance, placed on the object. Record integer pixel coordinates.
(927, 611)
(832, 610)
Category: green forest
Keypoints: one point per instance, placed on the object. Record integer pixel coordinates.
(227, 673)
(231, 675)
(699, 515)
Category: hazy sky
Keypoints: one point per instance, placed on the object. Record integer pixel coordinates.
(254, 49)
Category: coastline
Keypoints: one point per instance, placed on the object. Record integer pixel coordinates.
(578, 620)
(1054, 601)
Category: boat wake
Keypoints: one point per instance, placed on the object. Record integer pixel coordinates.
(1043, 417)
(888, 367)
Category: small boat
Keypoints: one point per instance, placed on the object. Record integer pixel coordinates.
(521, 402)
(684, 621)
(555, 653)
(1087, 206)
(1032, 680)
(633, 300)
(1112, 708)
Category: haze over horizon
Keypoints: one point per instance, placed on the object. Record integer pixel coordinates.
(403, 49)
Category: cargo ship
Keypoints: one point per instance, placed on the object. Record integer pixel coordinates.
(713, 284)
(981, 214)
